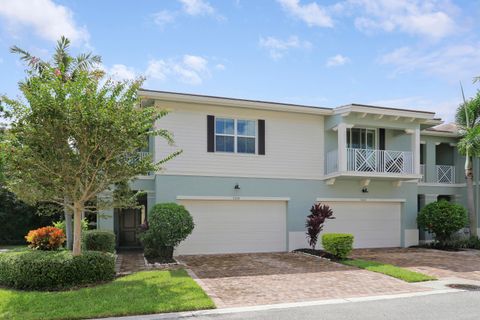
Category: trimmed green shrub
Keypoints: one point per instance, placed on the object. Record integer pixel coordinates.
(338, 244)
(98, 240)
(442, 219)
(168, 225)
(53, 270)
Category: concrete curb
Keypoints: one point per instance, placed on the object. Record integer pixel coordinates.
(179, 315)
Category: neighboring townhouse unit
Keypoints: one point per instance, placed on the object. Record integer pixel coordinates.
(251, 170)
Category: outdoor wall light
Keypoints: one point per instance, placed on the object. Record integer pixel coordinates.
(237, 187)
(365, 190)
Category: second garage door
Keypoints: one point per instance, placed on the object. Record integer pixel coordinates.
(373, 224)
(227, 226)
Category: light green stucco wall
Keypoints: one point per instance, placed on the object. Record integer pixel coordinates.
(302, 193)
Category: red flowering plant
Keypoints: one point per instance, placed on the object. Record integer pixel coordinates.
(46, 238)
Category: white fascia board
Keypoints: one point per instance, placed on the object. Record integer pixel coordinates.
(232, 198)
(384, 111)
(237, 103)
(439, 134)
(360, 200)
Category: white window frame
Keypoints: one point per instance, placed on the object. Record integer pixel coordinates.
(235, 136)
(376, 136)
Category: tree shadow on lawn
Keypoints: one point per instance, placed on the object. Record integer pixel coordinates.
(141, 293)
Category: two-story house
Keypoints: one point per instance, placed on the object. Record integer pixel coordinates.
(251, 170)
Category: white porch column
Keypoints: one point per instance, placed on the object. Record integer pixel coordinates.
(416, 150)
(342, 146)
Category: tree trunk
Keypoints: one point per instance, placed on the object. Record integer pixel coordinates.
(77, 228)
(472, 217)
(68, 230)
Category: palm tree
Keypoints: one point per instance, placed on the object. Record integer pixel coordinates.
(67, 67)
(468, 121)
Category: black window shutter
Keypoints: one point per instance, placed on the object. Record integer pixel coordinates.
(381, 139)
(210, 133)
(261, 137)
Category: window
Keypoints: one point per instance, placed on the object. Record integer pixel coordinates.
(237, 136)
(361, 138)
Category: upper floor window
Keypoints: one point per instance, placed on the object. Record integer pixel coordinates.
(233, 135)
(361, 138)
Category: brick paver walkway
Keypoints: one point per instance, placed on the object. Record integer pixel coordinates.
(268, 278)
(129, 262)
(440, 264)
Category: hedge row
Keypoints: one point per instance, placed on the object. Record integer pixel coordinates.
(54, 270)
(99, 240)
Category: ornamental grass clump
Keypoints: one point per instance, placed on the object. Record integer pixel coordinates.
(46, 238)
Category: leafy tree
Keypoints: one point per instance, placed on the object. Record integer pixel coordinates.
(319, 213)
(442, 218)
(75, 136)
(468, 122)
(67, 67)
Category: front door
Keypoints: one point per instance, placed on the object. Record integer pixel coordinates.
(130, 220)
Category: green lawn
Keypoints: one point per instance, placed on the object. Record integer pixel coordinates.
(11, 247)
(388, 269)
(139, 293)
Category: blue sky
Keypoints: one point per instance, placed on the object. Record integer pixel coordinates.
(399, 53)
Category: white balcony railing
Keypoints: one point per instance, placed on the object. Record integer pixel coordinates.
(369, 160)
(143, 154)
(445, 174)
(423, 173)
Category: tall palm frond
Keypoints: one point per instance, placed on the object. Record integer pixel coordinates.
(62, 59)
(33, 62)
(86, 61)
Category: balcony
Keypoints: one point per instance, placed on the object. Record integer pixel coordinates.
(143, 154)
(444, 174)
(373, 161)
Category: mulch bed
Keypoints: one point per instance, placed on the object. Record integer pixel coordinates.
(318, 253)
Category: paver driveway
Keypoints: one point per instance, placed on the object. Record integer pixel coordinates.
(268, 278)
(437, 263)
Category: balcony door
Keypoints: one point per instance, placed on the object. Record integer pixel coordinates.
(361, 144)
(361, 138)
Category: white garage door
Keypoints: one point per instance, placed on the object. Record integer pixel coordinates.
(223, 226)
(373, 224)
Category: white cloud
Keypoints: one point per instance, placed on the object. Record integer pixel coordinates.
(164, 17)
(337, 60)
(277, 48)
(122, 72)
(312, 14)
(47, 19)
(429, 18)
(197, 7)
(452, 62)
(190, 69)
(195, 62)
(220, 66)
